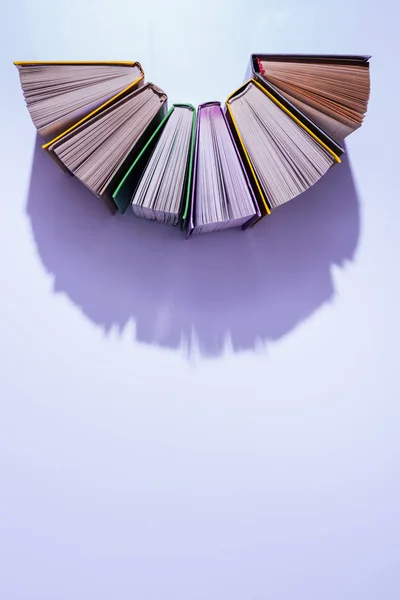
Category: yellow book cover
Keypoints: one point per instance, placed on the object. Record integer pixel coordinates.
(63, 124)
(264, 204)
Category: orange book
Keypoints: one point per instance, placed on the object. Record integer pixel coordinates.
(330, 91)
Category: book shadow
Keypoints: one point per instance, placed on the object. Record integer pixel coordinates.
(250, 287)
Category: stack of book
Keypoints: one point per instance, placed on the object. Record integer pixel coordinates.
(205, 170)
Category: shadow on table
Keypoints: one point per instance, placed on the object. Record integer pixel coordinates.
(252, 286)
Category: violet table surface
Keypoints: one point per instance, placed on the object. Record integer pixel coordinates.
(213, 418)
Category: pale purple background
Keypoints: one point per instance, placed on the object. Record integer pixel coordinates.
(212, 419)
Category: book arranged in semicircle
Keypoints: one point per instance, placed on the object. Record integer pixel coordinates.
(219, 168)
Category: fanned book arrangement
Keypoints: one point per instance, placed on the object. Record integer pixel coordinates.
(277, 135)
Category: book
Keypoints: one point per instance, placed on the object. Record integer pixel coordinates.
(278, 134)
(158, 183)
(59, 94)
(99, 150)
(221, 192)
(284, 158)
(330, 90)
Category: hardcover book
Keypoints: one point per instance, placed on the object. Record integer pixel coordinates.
(157, 185)
(330, 92)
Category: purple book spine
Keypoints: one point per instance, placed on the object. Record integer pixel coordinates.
(193, 195)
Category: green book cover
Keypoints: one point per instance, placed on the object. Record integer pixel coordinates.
(185, 212)
(123, 194)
